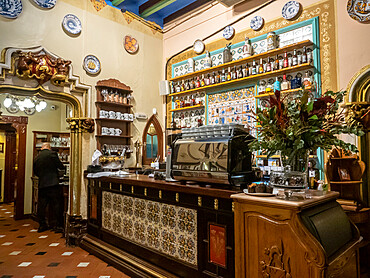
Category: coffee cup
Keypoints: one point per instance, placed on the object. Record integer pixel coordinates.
(118, 132)
(102, 114)
(112, 131)
(125, 116)
(104, 131)
(130, 117)
(112, 115)
(118, 115)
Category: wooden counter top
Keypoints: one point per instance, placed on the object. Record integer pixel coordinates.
(292, 205)
(217, 191)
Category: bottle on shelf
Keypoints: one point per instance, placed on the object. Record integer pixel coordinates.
(218, 77)
(240, 72)
(192, 84)
(182, 102)
(290, 60)
(202, 82)
(212, 78)
(277, 85)
(284, 84)
(223, 75)
(309, 56)
(197, 82)
(245, 70)
(281, 62)
(250, 69)
(299, 57)
(304, 55)
(234, 74)
(262, 87)
(178, 87)
(228, 75)
(285, 61)
(307, 81)
(173, 90)
(254, 67)
(268, 65)
(247, 48)
(207, 60)
(260, 67)
(182, 87)
(270, 86)
(207, 80)
(187, 85)
(177, 102)
(294, 58)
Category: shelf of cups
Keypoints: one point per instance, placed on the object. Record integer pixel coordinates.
(114, 104)
(187, 108)
(270, 74)
(270, 53)
(113, 120)
(113, 136)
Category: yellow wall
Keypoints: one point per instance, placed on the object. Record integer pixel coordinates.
(102, 35)
(2, 164)
(46, 120)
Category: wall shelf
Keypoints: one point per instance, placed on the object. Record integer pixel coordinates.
(301, 67)
(113, 120)
(107, 103)
(187, 108)
(245, 60)
(113, 136)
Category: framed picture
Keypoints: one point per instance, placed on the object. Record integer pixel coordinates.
(344, 174)
(217, 244)
(1, 147)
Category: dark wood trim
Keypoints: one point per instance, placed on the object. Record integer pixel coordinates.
(20, 124)
(147, 5)
(10, 173)
(153, 120)
(132, 265)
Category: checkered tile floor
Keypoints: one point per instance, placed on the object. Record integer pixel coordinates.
(26, 253)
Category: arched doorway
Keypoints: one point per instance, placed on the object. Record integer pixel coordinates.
(152, 141)
(358, 100)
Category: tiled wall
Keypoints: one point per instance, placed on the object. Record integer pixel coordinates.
(290, 37)
(168, 229)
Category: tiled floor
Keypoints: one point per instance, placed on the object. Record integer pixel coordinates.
(26, 253)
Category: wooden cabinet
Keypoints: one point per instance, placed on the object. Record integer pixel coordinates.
(114, 117)
(309, 238)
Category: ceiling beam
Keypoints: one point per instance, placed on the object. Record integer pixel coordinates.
(189, 8)
(156, 7)
(117, 2)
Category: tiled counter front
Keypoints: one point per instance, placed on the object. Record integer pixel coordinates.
(185, 231)
(168, 229)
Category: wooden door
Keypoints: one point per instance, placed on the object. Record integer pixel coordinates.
(152, 141)
(10, 171)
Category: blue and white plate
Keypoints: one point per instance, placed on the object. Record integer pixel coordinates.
(256, 22)
(10, 8)
(291, 9)
(72, 24)
(359, 10)
(92, 64)
(46, 4)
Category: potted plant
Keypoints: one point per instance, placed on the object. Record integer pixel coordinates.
(294, 126)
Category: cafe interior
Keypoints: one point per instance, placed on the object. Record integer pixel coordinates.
(199, 138)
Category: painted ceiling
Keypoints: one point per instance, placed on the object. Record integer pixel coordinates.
(158, 11)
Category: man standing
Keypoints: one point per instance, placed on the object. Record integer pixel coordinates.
(46, 166)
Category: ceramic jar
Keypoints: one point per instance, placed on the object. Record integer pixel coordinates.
(190, 65)
(247, 48)
(271, 41)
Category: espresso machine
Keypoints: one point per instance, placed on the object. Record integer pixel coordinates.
(213, 155)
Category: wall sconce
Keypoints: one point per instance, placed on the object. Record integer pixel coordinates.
(29, 105)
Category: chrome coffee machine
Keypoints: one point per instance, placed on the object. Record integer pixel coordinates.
(213, 155)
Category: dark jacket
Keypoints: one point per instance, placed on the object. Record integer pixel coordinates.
(45, 166)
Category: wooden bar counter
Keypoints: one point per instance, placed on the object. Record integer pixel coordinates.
(287, 239)
(153, 228)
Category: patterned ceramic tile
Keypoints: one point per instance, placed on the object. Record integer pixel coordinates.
(168, 229)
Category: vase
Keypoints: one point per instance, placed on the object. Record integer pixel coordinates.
(293, 174)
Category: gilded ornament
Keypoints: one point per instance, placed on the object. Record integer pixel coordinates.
(216, 204)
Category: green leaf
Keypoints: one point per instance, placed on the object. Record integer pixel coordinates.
(314, 117)
(309, 106)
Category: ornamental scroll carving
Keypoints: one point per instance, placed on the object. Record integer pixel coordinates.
(277, 264)
(81, 124)
(42, 67)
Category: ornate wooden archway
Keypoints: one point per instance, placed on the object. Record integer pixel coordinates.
(152, 122)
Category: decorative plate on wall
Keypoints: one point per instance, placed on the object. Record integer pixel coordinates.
(72, 24)
(229, 32)
(46, 4)
(198, 46)
(91, 64)
(131, 44)
(291, 9)
(10, 8)
(257, 22)
(359, 10)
